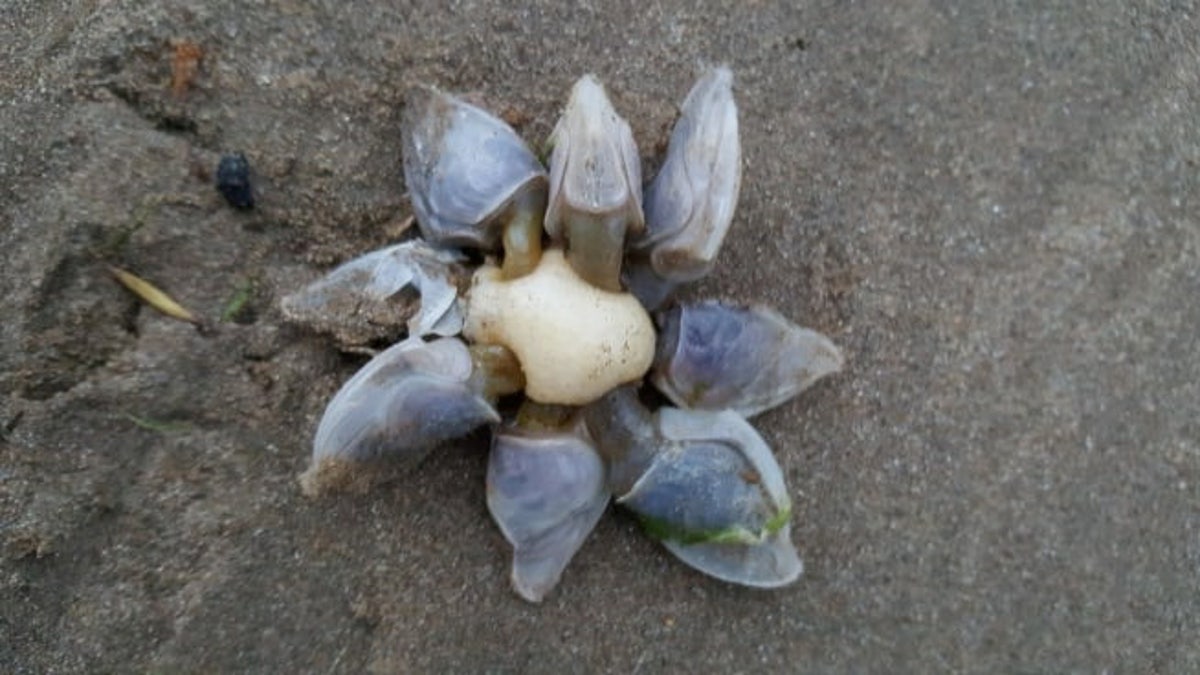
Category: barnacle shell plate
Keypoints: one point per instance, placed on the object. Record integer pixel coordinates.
(463, 167)
(722, 494)
(594, 167)
(713, 356)
(546, 491)
(406, 400)
(690, 203)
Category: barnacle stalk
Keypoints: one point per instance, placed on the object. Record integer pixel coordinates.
(495, 371)
(536, 416)
(522, 237)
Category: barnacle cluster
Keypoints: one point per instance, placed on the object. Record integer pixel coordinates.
(558, 316)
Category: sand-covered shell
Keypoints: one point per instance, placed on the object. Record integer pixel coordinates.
(546, 490)
(465, 170)
(371, 297)
(715, 356)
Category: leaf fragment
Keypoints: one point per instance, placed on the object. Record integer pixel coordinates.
(237, 302)
(153, 296)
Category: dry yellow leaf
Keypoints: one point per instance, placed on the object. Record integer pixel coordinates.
(152, 296)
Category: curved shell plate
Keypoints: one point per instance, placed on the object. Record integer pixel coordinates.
(594, 168)
(715, 497)
(463, 167)
(402, 403)
(715, 474)
(690, 203)
(713, 356)
(546, 491)
(770, 564)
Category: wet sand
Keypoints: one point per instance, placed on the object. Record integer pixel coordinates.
(992, 210)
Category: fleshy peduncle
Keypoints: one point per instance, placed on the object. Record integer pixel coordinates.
(534, 416)
(495, 371)
(523, 233)
(625, 435)
(595, 248)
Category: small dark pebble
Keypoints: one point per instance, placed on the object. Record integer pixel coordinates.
(233, 180)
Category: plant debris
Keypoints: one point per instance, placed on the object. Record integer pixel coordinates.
(185, 63)
(153, 296)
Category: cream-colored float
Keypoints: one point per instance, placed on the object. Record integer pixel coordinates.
(575, 342)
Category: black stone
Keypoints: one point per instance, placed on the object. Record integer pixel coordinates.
(233, 180)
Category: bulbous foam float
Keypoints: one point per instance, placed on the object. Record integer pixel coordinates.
(574, 341)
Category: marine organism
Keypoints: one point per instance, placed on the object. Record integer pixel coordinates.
(555, 324)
